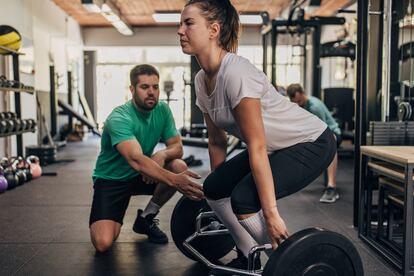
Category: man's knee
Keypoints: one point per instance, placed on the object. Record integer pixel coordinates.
(102, 243)
(103, 233)
(176, 166)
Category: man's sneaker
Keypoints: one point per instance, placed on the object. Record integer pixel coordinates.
(330, 195)
(149, 226)
(241, 262)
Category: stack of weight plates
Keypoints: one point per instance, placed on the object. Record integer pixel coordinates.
(46, 153)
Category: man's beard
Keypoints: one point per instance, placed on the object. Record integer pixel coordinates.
(142, 105)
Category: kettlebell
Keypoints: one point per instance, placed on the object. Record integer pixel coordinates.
(11, 178)
(3, 181)
(35, 168)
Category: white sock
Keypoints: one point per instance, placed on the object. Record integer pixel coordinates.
(222, 209)
(152, 208)
(256, 226)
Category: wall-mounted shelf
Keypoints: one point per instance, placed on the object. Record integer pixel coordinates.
(17, 104)
(10, 51)
(11, 89)
(17, 132)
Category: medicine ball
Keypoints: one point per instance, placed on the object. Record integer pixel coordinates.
(10, 38)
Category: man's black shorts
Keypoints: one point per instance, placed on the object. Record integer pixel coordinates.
(111, 197)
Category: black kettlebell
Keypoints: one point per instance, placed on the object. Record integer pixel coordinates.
(24, 166)
(11, 178)
(28, 174)
(18, 170)
(4, 162)
(20, 174)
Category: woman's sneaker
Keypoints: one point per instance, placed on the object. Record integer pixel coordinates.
(241, 262)
(330, 195)
(149, 226)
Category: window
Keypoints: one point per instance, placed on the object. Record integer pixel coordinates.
(114, 65)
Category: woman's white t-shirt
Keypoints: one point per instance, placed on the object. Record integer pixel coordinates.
(285, 123)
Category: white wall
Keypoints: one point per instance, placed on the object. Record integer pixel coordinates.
(56, 38)
(150, 36)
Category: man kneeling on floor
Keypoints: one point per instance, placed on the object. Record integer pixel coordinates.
(126, 165)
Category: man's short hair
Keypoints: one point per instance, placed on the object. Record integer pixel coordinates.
(142, 69)
(293, 88)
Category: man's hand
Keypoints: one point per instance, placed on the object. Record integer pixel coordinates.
(185, 185)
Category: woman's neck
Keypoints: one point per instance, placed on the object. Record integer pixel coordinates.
(210, 62)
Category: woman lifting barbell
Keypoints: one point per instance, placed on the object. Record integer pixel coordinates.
(287, 147)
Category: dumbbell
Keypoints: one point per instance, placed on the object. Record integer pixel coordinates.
(34, 124)
(31, 124)
(11, 115)
(9, 126)
(18, 125)
(25, 125)
(3, 127)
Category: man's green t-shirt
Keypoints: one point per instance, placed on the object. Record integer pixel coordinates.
(317, 107)
(127, 123)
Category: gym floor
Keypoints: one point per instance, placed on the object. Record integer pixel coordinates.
(44, 229)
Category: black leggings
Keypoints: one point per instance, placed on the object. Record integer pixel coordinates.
(293, 168)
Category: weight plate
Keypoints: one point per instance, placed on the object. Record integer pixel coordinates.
(315, 251)
(183, 225)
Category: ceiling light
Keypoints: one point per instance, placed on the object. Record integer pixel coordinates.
(251, 19)
(167, 17)
(112, 14)
(174, 17)
(91, 6)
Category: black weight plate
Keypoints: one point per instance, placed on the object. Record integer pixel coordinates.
(51, 157)
(315, 252)
(40, 150)
(183, 225)
(47, 160)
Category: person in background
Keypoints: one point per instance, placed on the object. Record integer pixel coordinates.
(127, 165)
(317, 107)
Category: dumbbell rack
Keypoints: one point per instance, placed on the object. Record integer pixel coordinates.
(17, 104)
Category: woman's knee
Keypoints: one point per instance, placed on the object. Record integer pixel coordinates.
(244, 203)
(211, 189)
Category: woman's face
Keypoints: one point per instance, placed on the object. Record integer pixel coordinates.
(194, 31)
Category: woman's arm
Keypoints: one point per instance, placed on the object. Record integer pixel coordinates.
(217, 143)
(249, 120)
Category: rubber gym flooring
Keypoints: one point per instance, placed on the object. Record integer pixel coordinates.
(44, 224)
